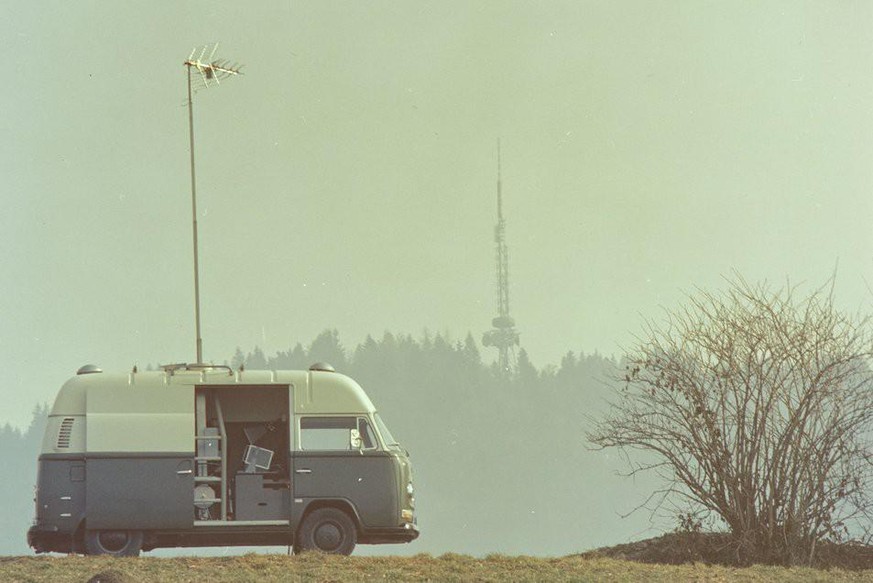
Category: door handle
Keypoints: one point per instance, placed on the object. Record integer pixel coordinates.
(182, 472)
(303, 471)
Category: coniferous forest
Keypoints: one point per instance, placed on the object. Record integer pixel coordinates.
(501, 460)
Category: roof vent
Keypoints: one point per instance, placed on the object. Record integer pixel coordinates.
(322, 366)
(89, 369)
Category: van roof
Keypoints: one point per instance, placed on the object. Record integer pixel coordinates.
(315, 391)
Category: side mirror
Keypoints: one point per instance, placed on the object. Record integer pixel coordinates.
(355, 441)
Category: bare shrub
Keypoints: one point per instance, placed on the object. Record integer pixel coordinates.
(756, 405)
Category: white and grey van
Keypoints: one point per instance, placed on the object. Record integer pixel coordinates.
(202, 455)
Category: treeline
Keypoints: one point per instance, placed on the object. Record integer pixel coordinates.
(18, 451)
(501, 461)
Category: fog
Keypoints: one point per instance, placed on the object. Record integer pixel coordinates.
(348, 179)
(500, 463)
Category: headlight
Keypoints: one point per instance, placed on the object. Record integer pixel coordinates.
(406, 516)
(409, 489)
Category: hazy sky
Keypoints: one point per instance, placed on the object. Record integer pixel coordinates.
(348, 179)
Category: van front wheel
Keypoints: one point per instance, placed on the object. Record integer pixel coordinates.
(118, 543)
(327, 530)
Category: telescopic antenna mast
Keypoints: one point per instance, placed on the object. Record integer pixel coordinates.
(203, 71)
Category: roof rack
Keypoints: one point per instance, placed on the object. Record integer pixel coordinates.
(172, 368)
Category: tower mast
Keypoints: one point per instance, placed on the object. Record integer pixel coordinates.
(503, 335)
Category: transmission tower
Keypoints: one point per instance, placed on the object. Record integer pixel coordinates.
(205, 72)
(503, 336)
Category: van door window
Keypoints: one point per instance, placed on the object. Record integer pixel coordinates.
(326, 433)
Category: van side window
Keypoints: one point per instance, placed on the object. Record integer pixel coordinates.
(326, 433)
(367, 435)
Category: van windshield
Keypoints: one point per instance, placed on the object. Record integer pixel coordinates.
(386, 434)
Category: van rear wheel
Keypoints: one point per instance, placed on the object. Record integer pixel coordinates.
(117, 543)
(328, 530)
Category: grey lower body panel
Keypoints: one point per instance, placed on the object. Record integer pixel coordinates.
(142, 493)
(367, 481)
(153, 493)
(60, 504)
(119, 491)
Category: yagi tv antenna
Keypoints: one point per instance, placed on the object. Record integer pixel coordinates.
(203, 72)
(210, 71)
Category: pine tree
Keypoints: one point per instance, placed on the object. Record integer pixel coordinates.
(256, 360)
(327, 348)
(526, 373)
(238, 358)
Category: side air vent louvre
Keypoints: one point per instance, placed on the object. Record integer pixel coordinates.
(65, 432)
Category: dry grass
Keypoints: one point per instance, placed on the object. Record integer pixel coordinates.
(448, 568)
(713, 548)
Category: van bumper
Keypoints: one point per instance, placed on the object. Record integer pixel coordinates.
(396, 535)
(45, 539)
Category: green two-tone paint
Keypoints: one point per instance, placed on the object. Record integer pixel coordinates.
(201, 455)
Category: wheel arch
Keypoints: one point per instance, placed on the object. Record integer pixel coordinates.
(130, 546)
(341, 504)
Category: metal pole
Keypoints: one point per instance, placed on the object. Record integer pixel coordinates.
(194, 218)
(224, 444)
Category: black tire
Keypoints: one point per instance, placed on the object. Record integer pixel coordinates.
(328, 530)
(117, 543)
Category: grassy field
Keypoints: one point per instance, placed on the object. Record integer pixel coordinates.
(449, 567)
